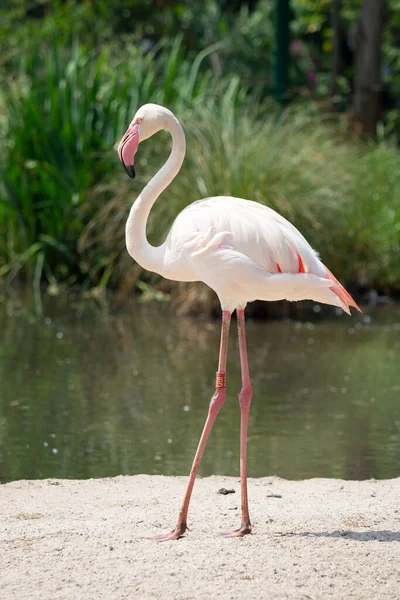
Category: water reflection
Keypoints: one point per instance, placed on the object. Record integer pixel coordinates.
(88, 393)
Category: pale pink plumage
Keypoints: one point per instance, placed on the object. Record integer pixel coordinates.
(241, 249)
(245, 251)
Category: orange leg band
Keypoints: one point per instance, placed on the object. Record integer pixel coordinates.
(220, 380)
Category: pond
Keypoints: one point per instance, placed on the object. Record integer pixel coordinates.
(91, 392)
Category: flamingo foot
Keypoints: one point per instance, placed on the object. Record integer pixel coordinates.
(173, 535)
(244, 529)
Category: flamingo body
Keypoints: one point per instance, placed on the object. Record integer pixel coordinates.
(246, 251)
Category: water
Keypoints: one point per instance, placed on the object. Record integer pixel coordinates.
(86, 392)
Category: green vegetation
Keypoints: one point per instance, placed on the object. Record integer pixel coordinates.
(65, 102)
(64, 114)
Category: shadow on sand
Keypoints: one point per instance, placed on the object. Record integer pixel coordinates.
(359, 536)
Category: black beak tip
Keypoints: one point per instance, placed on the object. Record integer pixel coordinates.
(130, 171)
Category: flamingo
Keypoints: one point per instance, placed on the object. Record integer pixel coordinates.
(242, 250)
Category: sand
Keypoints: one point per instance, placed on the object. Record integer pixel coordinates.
(314, 539)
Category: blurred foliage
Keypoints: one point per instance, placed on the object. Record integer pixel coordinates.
(243, 30)
(73, 74)
(64, 113)
(312, 23)
(247, 28)
(246, 35)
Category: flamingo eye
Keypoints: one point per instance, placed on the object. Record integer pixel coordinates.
(139, 120)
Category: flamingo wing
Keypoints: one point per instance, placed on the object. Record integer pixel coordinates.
(251, 251)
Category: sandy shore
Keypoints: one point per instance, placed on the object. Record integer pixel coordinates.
(314, 539)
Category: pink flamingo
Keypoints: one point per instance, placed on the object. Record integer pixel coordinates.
(244, 251)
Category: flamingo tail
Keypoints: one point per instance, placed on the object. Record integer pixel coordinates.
(340, 291)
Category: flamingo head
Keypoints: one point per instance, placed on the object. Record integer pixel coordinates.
(149, 119)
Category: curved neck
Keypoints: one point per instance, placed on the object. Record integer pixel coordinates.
(148, 256)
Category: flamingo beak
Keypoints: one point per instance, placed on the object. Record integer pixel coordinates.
(127, 149)
(129, 170)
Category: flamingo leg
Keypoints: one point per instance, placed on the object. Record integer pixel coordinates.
(215, 405)
(244, 401)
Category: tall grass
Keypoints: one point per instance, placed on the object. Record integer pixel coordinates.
(371, 212)
(64, 111)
